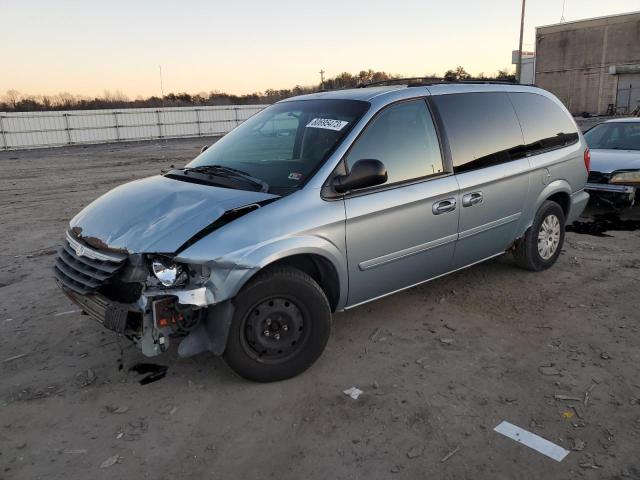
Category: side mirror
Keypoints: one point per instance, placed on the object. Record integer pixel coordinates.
(204, 148)
(363, 174)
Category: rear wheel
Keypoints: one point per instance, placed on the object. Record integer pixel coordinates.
(541, 245)
(280, 326)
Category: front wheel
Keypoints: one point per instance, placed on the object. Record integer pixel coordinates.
(280, 326)
(541, 245)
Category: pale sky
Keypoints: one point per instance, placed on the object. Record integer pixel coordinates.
(242, 46)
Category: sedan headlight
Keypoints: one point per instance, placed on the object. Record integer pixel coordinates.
(625, 177)
(168, 272)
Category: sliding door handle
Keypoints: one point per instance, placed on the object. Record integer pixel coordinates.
(472, 198)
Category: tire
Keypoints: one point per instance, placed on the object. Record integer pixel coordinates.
(280, 326)
(527, 253)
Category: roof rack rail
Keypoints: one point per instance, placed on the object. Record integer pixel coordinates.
(426, 81)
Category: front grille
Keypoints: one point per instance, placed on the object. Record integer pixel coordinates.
(83, 269)
(597, 177)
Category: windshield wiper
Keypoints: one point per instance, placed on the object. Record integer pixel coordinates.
(229, 172)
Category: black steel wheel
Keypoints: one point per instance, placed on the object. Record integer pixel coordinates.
(274, 330)
(281, 325)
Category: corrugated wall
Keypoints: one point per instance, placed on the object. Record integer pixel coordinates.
(23, 130)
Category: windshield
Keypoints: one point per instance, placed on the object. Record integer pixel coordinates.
(285, 143)
(616, 136)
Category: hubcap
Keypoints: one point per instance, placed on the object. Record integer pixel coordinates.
(549, 237)
(274, 330)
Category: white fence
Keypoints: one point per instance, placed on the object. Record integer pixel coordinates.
(22, 130)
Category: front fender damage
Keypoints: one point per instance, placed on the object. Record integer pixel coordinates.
(213, 303)
(211, 334)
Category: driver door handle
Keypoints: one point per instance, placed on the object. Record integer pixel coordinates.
(472, 198)
(444, 206)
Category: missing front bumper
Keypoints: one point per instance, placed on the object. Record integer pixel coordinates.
(616, 194)
(121, 318)
(150, 328)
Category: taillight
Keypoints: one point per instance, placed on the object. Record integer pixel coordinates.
(587, 159)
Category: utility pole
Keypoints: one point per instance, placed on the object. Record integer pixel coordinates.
(321, 72)
(161, 88)
(519, 64)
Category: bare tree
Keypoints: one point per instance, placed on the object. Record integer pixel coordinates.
(12, 98)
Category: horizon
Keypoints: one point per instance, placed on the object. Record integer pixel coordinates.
(203, 49)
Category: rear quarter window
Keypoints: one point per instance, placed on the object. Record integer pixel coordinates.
(545, 125)
(482, 129)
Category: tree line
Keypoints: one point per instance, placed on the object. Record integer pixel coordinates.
(14, 101)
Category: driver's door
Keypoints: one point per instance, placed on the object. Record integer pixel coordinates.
(402, 232)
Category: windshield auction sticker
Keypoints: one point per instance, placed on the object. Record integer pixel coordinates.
(327, 124)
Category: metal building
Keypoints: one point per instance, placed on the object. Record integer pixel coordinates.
(592, 65)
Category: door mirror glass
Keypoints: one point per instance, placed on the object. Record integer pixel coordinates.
(363, 174)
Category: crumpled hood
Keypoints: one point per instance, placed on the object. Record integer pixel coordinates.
(156, 214)
(607, 161)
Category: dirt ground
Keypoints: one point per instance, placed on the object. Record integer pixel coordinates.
(440, 365)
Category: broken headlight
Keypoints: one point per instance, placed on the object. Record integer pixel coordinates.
(625, 177)
(168, 272)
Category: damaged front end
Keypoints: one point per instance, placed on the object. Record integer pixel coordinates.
(149, 299)
(617, 189)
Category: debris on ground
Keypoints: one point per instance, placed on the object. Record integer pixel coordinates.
(68, 312)
(152, 371)
(118, 410)
(111, 461)
(415, 452)
(15, 357)
(446, 341)
(568, 398)
(75, 451)
(587, 395)
(578, 445)
(549, 370)
(578, 411)
(87, 378)
(374, 334)
(449, 455)
(532, 441)
(589, 461)
(353, 392)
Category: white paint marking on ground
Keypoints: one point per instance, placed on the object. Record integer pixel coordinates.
(67, 313)
(532, 440)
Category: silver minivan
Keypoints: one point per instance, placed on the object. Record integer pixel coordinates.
(321, 203)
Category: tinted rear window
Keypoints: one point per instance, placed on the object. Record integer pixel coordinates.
(482, 129)
(544, 124)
